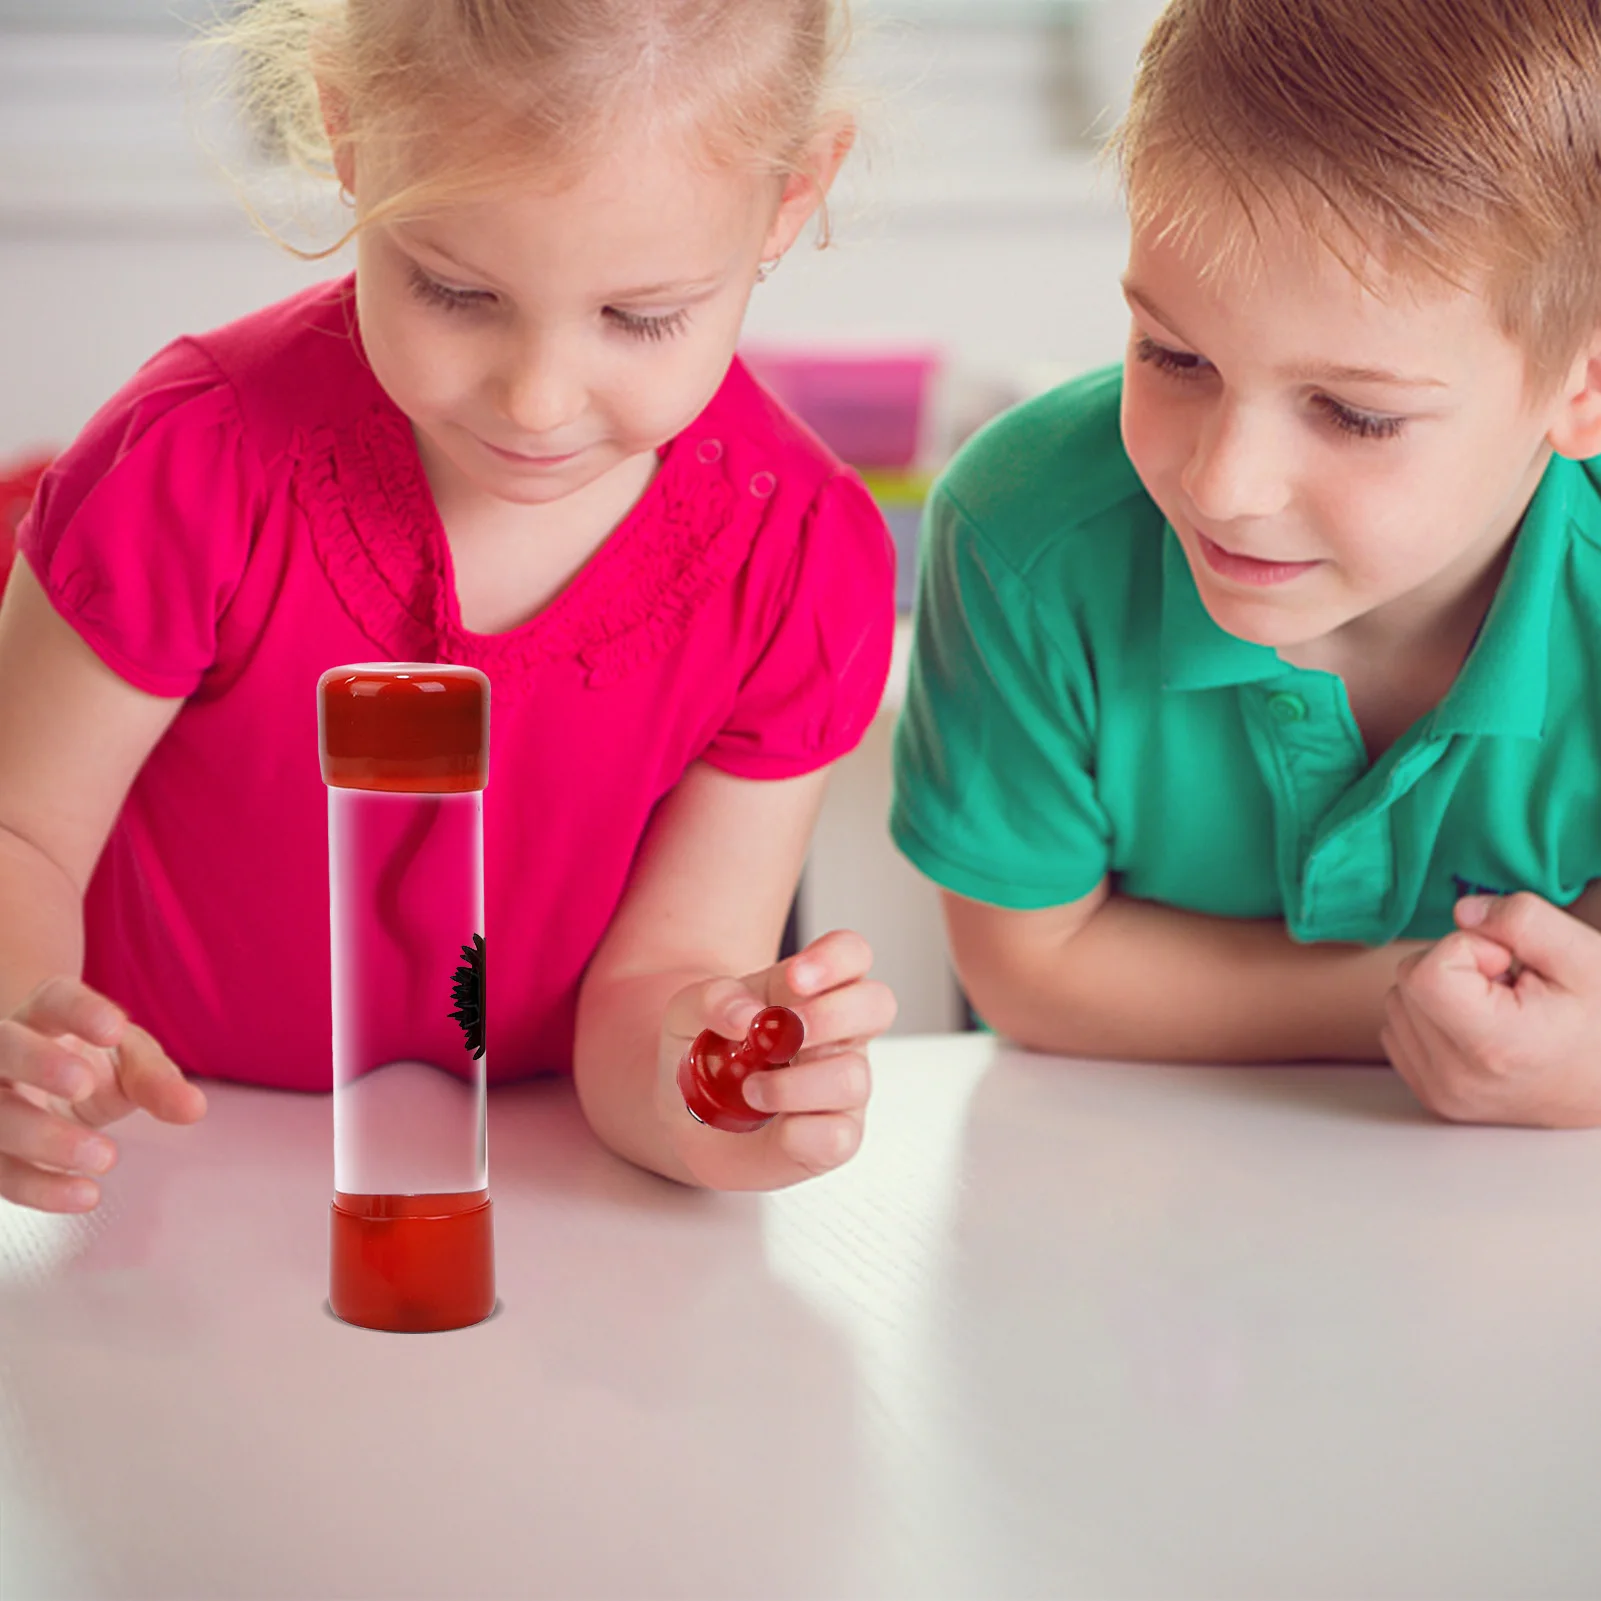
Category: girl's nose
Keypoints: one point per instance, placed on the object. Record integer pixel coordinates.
(1236, 467)
(541, 388)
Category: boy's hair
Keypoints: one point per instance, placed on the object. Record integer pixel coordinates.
(1460, 138)
(457, 96)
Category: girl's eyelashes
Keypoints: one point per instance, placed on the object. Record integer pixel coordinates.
(641, 326)
(1347, 419)
(433, 293)
(637, 325)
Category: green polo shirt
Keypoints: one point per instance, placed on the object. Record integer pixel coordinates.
(1073, 712)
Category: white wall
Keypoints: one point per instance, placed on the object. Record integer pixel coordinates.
(967, 217)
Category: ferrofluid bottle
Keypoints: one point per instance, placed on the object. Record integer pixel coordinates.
(405, 755)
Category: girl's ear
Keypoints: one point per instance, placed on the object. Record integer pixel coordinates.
(807, 187)
(336, 124)
(1576, 430)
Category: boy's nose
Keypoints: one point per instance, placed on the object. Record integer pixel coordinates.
(1236, 468)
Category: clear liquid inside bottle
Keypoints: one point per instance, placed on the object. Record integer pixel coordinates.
(406, 875)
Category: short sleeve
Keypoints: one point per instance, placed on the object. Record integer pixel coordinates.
(140, 530)
(818, 679)
(994, 788)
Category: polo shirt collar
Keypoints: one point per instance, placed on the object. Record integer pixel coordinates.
(1502, 686)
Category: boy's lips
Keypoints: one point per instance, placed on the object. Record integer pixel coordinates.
(1250, 569)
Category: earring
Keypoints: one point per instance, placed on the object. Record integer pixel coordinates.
(764, 271)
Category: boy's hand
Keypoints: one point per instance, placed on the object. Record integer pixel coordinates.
(1498, 1022)
(70, 1062)
(819, 1099)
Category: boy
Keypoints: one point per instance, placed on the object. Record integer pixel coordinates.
(1245, 673)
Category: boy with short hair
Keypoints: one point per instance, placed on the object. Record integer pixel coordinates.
(1246, 673)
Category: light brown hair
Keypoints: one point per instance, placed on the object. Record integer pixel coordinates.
(1461, 138)
(455, 97)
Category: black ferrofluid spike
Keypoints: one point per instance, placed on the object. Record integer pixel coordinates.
(467, 990)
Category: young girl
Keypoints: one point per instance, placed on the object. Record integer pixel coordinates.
(516, 438)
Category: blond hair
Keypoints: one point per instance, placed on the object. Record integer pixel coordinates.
(1462, 140)
(457, 96)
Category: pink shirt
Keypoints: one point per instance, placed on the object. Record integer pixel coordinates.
(251, 510)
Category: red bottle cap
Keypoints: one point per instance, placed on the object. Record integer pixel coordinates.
(408, 726)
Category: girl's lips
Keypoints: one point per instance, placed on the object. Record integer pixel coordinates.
(531, 461)
(1247, 569)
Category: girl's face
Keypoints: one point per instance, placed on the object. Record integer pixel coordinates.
(542, 339)
(1323, 453)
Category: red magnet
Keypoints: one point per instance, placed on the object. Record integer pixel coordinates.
(714, 1068)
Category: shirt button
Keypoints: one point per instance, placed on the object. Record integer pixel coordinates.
(762, 485)
(709, 450)
(1286, 708)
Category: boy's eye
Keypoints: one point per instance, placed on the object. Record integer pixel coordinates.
(1180, 363)
(434, 293)
(1347, 419)
(1359, 424)
(640, 326)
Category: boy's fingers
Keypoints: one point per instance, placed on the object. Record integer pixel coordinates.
(1399, 1037)
(837, 1083)
(153, 1081)
(46, 1192)
(69, 1006)
(1557, 945)
(1460, 986)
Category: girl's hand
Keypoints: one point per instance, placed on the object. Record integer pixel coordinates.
(818, 1100)
(1497, 1023)
(71, 1062)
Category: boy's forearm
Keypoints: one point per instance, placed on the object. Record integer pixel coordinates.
(1147, 982)
(41, 921)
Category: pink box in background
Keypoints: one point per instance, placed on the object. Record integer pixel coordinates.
(867, 404)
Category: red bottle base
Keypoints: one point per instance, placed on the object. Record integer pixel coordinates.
(412, 1264)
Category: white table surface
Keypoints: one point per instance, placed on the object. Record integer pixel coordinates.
(1061, 1329)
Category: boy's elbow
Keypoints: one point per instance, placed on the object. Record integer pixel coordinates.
(1019, 972)
(1021, 1008)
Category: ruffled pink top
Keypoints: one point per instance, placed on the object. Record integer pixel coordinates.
(250, 510)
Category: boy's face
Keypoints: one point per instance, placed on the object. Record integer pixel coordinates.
(1324, 453)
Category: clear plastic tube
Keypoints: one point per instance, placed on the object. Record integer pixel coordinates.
(404, 751)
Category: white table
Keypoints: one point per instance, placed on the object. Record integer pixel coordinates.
(1062, 1329)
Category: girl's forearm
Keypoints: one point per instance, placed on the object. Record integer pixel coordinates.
(1147, 982)
(615, 1066)
(41, 921)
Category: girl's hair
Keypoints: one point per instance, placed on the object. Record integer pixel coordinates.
(451, 98)
(1463, 140)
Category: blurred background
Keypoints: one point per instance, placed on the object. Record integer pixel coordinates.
(977, 247)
